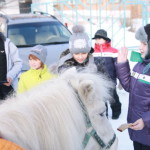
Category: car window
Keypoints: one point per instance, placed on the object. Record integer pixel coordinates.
(29, 34)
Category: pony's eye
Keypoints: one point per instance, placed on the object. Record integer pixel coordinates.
(103, 114)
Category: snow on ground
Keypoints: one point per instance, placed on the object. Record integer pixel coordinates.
(124, 141)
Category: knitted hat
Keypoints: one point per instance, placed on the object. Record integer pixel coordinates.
(79, 41)
(143, 35)
(101, 34)
(40, 52)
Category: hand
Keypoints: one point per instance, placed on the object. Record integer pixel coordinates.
(122, 55)
(9, 81)
(138, 125)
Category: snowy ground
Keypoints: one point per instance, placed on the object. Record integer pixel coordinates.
(124, 141)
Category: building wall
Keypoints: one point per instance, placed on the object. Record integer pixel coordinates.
(134, 9)
(44, 8)
(10, 7)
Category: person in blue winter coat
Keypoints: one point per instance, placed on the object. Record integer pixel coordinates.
(10, 66)
(137, 83)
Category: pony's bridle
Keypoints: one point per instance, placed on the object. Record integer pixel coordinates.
(91, 132)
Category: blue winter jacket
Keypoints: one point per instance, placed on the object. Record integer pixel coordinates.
(105, 56)
(139, 98)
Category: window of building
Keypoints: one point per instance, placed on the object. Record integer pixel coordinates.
(93, 1)
(115, 1)
(2, 3)
(73, 1)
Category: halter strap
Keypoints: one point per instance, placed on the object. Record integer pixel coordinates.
(91, 132)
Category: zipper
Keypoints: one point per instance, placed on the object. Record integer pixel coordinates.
(131, 103)
(101, 49)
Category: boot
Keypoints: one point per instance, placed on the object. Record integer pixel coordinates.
(116, 110)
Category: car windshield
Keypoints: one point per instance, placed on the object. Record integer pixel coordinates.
(29, 34)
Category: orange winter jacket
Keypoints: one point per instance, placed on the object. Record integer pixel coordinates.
(7, 145)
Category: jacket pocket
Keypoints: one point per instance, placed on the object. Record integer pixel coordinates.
(148, 131)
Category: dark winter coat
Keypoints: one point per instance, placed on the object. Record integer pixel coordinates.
(139, 98)
(107, 56)
(3, 62)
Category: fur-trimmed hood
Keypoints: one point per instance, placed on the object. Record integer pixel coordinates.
(66, 55)
(143, 34)
(66, 61)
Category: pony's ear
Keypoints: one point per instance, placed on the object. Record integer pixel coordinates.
(86, 88)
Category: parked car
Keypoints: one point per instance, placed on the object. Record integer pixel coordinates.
(28, 30)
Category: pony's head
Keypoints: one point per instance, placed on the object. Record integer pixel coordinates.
(93, 90)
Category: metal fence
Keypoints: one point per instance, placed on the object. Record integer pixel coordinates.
(111, 15)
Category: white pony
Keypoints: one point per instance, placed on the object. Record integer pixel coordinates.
(61, 114)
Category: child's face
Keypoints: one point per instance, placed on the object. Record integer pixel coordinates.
(80, 57)
(143, 49)
(100, 41)
(34, 63)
